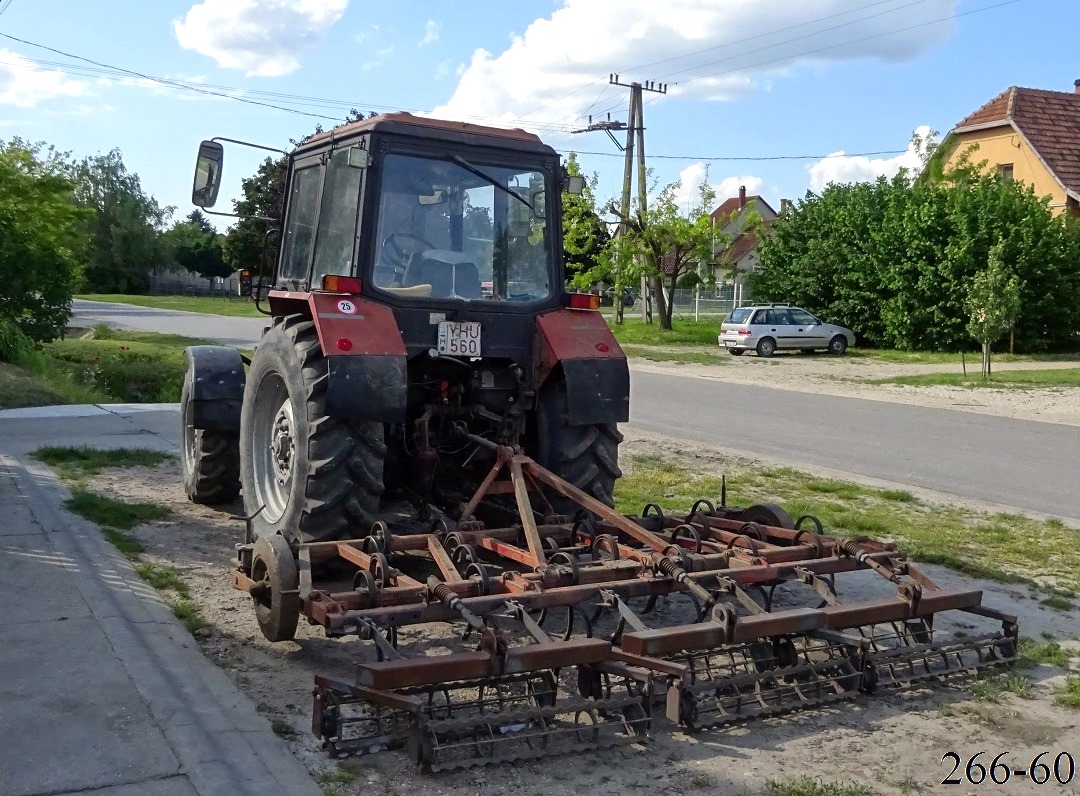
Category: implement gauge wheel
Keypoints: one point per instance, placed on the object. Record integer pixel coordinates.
(209, 460)
(305, 475)
(277, 601)
(768, 514)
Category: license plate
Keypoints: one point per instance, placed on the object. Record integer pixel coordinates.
(458, 338)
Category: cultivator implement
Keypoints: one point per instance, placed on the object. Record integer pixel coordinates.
(580, 630)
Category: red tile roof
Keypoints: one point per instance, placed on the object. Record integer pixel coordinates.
(1050, 120)
(729, 206)
(743, 244)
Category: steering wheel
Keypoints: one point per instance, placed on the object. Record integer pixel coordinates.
(399, 255)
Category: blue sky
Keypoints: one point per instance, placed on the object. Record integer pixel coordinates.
(748, 78)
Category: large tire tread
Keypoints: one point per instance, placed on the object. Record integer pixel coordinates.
(216, 474)
(343, 481)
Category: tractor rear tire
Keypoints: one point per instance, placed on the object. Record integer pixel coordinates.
(585, 456)
(306, 475)
(209, 460)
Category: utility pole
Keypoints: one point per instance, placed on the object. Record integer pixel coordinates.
(635, 131)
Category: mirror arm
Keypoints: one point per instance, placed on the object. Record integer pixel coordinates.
(248, 143)
(237, 215)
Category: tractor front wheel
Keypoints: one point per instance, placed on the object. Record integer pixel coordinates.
(305, 475)
(585, 456)
(209, 460)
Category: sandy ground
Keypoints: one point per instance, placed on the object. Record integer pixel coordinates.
(892, 743)
(845, 376)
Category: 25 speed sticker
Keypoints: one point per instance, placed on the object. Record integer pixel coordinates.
(1045, 767)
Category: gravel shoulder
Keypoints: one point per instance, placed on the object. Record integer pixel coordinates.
(848, 377)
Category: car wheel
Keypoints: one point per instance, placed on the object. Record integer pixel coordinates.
(766, 347)
(735, 352)
(838, 345)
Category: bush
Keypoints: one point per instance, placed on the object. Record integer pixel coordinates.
(128, 372)
(15, 346)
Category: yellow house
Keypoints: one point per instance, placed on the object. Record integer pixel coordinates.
(1030, 135)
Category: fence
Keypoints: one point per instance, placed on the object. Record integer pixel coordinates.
(194, 286)
(702, 302)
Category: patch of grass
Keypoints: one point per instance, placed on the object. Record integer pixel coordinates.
(1069, 695)
(686, 332)
(233, 306)
(20, 387)
(938, 357)
(189, 613)
(682, 357)
(808, 786)
(1032, 653)
(702, 779)
(989, 689)
(1007, 548)
(341, 774)
(1003, 379)
(283, 729)
(124, 542)
(114, 514)
(75, 462)
(163, 578)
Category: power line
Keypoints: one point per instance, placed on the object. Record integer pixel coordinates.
(748, 158)
(4, 6)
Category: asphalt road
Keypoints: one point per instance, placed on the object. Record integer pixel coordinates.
(1027, 464)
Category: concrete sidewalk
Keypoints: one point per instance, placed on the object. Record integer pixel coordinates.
(103, 690)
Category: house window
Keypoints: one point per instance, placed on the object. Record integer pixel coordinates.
(1005, 171)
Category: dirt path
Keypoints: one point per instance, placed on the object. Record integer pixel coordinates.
(893, 744)
(848, 377)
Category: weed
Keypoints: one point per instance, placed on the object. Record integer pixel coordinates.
(109, 513)
(283, 729)
(163, 578)
(189, 613)
(1017, 684)
(907, 785)
(702, 779)
(1047, 635)
(899, 496)
(1069, 695)
(988, 689)
(807, 786)
(1057, 602)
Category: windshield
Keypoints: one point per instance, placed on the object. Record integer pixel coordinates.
(461, 229)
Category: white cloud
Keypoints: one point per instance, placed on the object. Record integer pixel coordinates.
(431, 33)
(25, 85)
(555, 71)
(694, 175)
(840, 168)
(366, 35)
(264, 38)
(380, 56)
(442, 69)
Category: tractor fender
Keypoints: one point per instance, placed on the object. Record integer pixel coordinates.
(216, 375)
(593, 365)
(366, 356)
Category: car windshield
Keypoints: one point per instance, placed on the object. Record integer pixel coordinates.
(462, 229)
(738, 316)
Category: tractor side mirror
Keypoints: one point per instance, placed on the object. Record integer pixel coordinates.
(204, 191)
(573, 183)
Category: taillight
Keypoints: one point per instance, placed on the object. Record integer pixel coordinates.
(742, 331)
(583, 301)
(332, 283)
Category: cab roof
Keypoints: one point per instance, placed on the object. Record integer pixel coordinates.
(407, 124)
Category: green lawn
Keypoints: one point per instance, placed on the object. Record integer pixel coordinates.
(940, 358)
(1004, 547)
(686, 332)
(234, 306)
(1001, 379)
(111, 366)
(696, 356)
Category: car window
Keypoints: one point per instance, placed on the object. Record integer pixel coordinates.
(738, 316)
(760, 317)
(779, 317)
(803, 318)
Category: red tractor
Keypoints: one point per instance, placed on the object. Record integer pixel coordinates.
(418, 303)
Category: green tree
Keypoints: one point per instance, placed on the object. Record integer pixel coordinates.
(123, 229)
(666, 245)
(40, 244)
(194, 244)
(250, 242)
(893, 259)
(993, 302)
(585, 235)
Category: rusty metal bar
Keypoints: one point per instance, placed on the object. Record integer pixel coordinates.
(525, 512)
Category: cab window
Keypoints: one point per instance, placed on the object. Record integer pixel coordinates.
(337, 217)
(300, 227)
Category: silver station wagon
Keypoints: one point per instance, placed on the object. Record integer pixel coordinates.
(770, 328)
